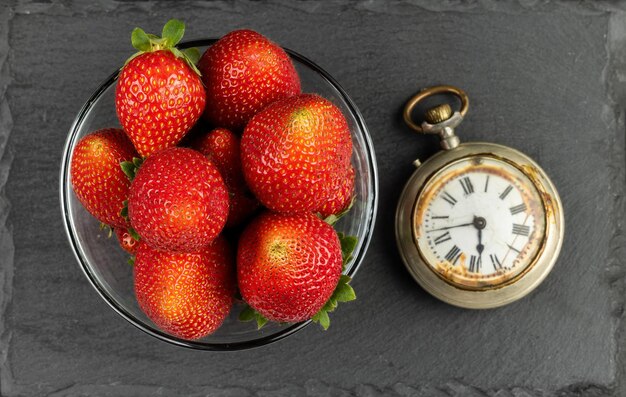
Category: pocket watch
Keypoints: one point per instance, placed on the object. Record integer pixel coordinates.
(478, 225)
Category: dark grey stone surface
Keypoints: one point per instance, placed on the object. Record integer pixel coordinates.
(548, 78)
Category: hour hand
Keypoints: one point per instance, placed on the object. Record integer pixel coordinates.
(480, 247)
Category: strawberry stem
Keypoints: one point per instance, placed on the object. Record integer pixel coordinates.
(172, 33)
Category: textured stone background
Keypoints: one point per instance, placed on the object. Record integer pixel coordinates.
(548, 78)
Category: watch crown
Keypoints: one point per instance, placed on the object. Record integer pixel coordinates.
(438, 114)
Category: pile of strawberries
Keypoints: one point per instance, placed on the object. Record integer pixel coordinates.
(217, 152)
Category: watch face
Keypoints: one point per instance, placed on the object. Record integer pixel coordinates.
(479, 222)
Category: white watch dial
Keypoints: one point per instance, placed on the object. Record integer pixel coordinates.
(479, 222)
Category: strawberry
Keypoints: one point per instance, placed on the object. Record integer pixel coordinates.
(97, 179)
(342, 197)
(178, 200)
(185, 294)
(294, 151)
(243, 72)
(243, 205)
(288, 265)
(222, 147)
(127, 242)
(159, 95)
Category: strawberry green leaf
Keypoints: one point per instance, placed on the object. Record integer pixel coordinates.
(330, 306)
(107, 228)
(184, 57)
(135, 55)
(247, 314)
(178, 53)
(131, 261)
(133, 233)
(124, 211)
(173, 32)
(342, 293)
(333, 218)
(260, 321)
(129, 169)
(193, 54)
(325, 320)
(348, 244)
(322, 319)
(140, 40)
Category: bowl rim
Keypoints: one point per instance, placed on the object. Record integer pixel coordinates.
(117, 307)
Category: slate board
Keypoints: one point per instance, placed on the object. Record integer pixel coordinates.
(544, 77)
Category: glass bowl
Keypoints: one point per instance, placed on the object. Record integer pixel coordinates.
(105, 263)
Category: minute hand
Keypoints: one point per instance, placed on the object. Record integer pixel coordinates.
(450, 227)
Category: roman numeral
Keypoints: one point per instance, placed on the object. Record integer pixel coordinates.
(486, 183)
(468, 188)
(495, 262)
(443, 238)
(518, 208)
(506, 192)
(440, 217)
(453, 255)
(448, 197)
(521, 230)
(475, 263)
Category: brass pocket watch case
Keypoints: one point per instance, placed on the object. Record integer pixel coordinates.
(478, 225)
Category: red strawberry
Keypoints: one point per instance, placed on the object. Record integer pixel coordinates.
(288, 265)
(178, 200)
(186, 295)
(294, 151)
(342, 197)
(243, 205)
(243, 72)
(159, 94)
(97, 179)
(222, 147)
(127, 242)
